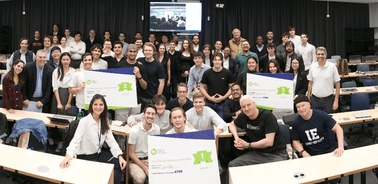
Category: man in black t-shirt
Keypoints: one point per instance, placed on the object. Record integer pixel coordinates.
(216, 83)
(267, 143)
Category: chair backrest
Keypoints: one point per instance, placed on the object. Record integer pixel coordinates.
(349, 84)
(371, 59)
(69, 134)
(342, 66)
(360, 101)
(285, 131)
(369, 82)
(363, 67)
(336, 57)
(332, 60)
(355, 59)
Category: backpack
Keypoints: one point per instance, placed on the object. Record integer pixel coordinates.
(69, 134)
(4, 132)
(342, 67)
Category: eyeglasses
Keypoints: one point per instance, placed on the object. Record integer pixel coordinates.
(181, 91)
(234, 90)
(295, 63)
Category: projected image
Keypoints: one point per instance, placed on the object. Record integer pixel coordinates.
(168, 17)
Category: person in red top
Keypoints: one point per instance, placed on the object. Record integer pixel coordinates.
(12, 85)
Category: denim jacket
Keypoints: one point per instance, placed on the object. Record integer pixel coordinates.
(36, 126)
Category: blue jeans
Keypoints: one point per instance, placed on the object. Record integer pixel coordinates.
(217, 107)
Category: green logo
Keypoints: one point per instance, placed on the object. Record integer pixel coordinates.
(125, 86)
(250, 83)
(202, 156)
(88, 82)
(153, 151)
(283, 90)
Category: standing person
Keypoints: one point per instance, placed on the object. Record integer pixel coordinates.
(77, 48)
(56, 31)
(165, 40)
(300, 82)
(218, 47)
(117, 55)
(162, 57)
(215, 84)
(185, 60)
(67, 35)
(36, 43)
(77, 83)
(92, 132)
(122, 38)
(91, 41)
(236, 43)
(172, 54)
(195, 73)
(270, 38)
(55, 41)
(322, 77)
(12, 85)
(107, 49)
(195, 42)
(281, 50)
(177, 119)
(38, 84)
(47, 40)
(98, 63)
(229, 63)
(64, 46)
(138, 144)
(290, 53)
(241, 58)
(259, 48)
(55, 57)
(252, 68)
(207, 55)
(62, 76)
(307, 51)
(271, 54)
(24, 54)
(293, 37)
(107, 35)
(152, 39)
(155, 75)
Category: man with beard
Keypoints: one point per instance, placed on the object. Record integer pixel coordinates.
(290, 46)
(117, 57)
(231, 106)
(241, 58)
(36, 43)
(98, 63)
(195, 42)
(270, 38)
(24, 54)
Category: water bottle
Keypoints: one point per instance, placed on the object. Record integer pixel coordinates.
(79, 115)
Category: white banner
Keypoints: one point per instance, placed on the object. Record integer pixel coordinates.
(271, 91)
(185, 158)
(116, 85)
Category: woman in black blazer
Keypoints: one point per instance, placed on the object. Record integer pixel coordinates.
(300, 81)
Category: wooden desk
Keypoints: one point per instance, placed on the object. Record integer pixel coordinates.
(315, 168)
(355, 75)
(31, 163)
(367, 89)
(368, 63)
(19, 114)
(345, 118)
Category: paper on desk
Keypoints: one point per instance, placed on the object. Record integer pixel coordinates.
(119, 128)
(32, 107)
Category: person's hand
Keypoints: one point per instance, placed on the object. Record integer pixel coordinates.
(66, 162)
(190, 126)
(338, 152)
(237, 113)
(134, 123)
(168, 82)
(26, 103)
(146, 169)
(39, 104)
(137, 72)
(213, 99)
(59, 106)
(305, 154)
(186, 74)
(12, 111)
(335, 105)
(122, 162)
(240, 143)
(68, 106)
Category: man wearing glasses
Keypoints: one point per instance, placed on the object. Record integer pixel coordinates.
(181, 100)
(231, 108)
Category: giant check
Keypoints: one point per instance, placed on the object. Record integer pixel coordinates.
(183, 158)
(271, 91)
(118, 86)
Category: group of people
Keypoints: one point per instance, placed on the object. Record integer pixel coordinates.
(195, 88)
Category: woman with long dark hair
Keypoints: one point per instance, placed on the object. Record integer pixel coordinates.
(60, 81)
(252, 67)
(91, 134)
(300, 81)
(12, 85)
(185, 60)
(162, 57)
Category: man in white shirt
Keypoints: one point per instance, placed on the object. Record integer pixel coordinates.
(98, 63)
(77, 49)
(67, 33)
(218, 47)
(294, 38)
(139, 44)
(307, 51)
(138, 145)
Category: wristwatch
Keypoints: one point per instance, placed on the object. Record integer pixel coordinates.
(249, 146)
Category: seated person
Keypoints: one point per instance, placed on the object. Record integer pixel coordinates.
(267, 143)
(311, 131)
(85, 143)
(162, 116)
(138, 144)
(181, 100)
(203, 117)
(231, 107)
(178, 121)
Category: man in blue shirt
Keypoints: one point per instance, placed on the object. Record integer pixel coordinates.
(241, 58)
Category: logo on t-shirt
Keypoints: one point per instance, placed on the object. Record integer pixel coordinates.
(313, 137)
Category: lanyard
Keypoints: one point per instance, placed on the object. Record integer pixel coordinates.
(99, 138)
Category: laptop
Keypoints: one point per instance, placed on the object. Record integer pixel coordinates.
(348, 89)
(371, 59)
(355, 59)
(362, 115)
(62, 118)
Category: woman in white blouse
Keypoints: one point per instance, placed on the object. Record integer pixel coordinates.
(92, 132)
(60, 82)
(63, 45)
